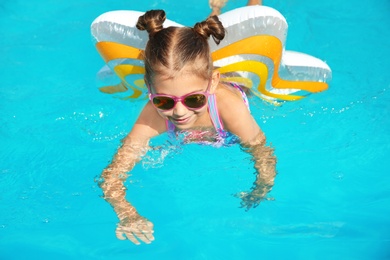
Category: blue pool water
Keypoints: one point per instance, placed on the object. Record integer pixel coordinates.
(332, 196)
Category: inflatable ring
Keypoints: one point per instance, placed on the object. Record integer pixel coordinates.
(252, 54)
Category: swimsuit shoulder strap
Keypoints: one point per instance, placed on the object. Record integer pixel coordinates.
(213, 108)
(170, 127)
(214, 115)
(244, 96)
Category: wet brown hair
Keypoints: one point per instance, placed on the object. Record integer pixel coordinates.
(170, 49)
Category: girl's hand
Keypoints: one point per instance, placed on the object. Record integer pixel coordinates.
(252, 199)
(135, 227)
(248, 200)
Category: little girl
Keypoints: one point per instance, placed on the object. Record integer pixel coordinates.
(185, 96)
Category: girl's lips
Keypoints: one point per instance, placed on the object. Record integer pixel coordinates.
(180, 121)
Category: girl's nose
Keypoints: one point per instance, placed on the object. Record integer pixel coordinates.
(179, 109)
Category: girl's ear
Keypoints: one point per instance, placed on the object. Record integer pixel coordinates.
(214, 80)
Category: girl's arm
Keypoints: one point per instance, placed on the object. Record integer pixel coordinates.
(265, 165)
(238, 120)
(114, 191)
(133, 147)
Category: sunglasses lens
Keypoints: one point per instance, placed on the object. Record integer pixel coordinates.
(195, 101)
(164, 103)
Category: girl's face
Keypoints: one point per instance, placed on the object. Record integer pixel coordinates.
(183, 83)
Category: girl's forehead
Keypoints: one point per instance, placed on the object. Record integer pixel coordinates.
(181, 84)
(194, 69)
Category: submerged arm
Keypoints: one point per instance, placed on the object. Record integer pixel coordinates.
(113, 177)
(265, 165)
(134, 146)
(239, 121)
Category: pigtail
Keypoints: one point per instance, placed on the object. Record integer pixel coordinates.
(212, 26)
(152, 21)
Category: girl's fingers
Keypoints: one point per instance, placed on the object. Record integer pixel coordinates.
(143, 231)
(132, 238)
(149, 236)
(144, 238)
(119, 234)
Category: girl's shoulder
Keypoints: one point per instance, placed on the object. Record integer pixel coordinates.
(234, 113)
(230, 99)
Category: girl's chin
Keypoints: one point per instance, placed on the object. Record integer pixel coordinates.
(183, 127)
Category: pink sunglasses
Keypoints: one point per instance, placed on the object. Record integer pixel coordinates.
(192, 101)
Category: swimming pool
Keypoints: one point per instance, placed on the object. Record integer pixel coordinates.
(58, 132)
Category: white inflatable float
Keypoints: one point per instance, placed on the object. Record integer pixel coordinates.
(252, 54)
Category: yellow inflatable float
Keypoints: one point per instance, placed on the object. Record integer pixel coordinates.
(252, 54)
